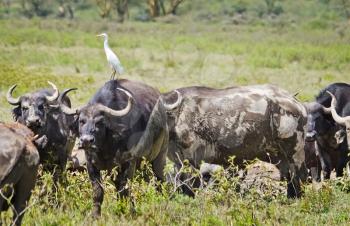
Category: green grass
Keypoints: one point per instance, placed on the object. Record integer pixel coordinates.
(72, 205)
(172, 55)
(300, 58)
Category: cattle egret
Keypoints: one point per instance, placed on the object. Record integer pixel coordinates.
(112, 59)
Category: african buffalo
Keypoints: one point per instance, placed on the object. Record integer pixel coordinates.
(324, 135)
(41, 113)
(247, 122)
(19, 159)
(343, 120)
(123, 122)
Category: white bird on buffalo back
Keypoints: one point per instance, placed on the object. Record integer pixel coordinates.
(112, 59)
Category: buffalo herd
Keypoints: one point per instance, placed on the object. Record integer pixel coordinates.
(127, 121)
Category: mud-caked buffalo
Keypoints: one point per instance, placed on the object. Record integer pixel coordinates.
(19, 159)
(123, 122)
(247, 122)
(325, 137)
(41, 113)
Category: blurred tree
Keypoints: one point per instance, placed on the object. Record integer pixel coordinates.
(65, 6)
(6, 4)
(273, 8)
(346, 6)
(105, 7)
(123, 10)
(36, 7)
(156, 7)
(270, 5)
(173, 6)
(153, 6)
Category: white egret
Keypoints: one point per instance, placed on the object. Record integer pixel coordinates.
(112, 58)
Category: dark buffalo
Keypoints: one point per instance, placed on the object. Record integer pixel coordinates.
(248, 122)
(40, 112)
(324, 135)
(19, 159)
(122, 123)
(343, 120)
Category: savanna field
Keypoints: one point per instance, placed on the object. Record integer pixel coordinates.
(302, 49)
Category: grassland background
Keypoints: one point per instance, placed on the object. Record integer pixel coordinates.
(302, 50)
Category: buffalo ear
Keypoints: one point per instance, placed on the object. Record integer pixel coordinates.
(339, 136)
(16, 112)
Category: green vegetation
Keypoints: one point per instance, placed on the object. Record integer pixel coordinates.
(219, 205)
(301, 46)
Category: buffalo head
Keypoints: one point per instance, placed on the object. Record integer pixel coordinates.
(93, 119)
(317, 120)
(32, 108)
(343, 121)
(171, 107)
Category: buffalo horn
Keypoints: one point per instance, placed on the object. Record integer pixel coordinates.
(64, 108)
(340, 120)
(118, 113)
(174, 105)
(10, 98)
(54, 95)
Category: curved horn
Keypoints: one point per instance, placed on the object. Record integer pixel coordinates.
(64, 108)
(314, 106)
(174, 105)
(118, 113)
(54, 95)
(326, 110)
(64, 93)
(10, 98)
(337, 118)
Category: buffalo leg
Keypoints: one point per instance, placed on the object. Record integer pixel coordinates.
(342, 158)
(23, 190)
(312, 159)
(126, 172)
(95, 178)
(159, 163)
(316, 173)
(326, 164)
(62, 158)
(289, 172)
(187, 182)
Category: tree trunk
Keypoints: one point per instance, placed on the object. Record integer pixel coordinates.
(123, 10)
(345, 6)
(173, 6)
(153, 6)
(70, 11)
(270, 5)
(105, 7)
(161, 3)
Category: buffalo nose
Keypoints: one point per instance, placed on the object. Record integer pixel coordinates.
(33, 122)
(311, 136)
(86, 140)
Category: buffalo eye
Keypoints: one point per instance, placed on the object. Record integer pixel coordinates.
(41, 107)
(24, 108)
(99, 122)
(82, 121)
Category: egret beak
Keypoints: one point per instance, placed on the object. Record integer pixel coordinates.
(99, 35)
